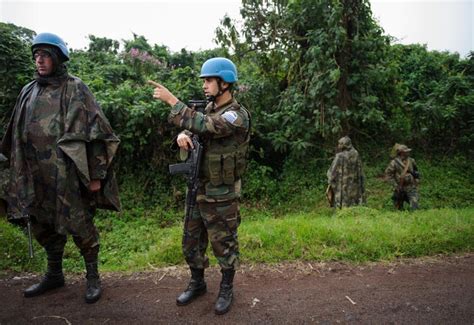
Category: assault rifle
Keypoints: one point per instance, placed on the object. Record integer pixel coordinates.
(192, 165)
(25, 221)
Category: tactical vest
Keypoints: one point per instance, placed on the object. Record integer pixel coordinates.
(225, 158)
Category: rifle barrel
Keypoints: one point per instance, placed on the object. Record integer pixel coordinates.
(30, 240)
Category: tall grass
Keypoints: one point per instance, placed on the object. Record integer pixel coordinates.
(359, 235)
(354, 234)
(284, 217)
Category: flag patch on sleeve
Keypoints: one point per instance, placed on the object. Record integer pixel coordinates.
(230, 117)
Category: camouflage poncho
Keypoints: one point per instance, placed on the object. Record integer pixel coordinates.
(347, 178)
(57, 140)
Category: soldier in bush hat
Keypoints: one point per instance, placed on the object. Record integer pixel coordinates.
(403, 174)
(225, 130)
(60, 146)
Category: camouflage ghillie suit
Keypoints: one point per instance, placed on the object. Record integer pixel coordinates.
(4, 179)
(225, 135)
(407, 192)
(345, 176)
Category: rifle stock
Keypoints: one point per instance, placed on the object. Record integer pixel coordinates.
(330, 195)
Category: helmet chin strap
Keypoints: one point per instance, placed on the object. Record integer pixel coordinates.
(212, 98)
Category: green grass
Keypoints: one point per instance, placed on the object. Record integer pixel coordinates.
(284, 218)
(358, 235)
(444, 183)
(355, 234)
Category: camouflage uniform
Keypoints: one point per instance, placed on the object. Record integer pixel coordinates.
(225, 136)
(58, 139)
(408, 192)
(345, 176)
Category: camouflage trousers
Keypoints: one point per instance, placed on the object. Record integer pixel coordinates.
(217, 223)
(84, 234)
(409, 196)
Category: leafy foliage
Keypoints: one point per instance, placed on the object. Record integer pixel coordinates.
(309, 72)
(439, 98)
(323, 69)
(330, 62)
(16, 66)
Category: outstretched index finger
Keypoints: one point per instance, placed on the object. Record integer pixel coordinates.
(155, 84)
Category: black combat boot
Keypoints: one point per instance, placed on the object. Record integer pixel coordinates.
(197, 287)
(94, 290)
(53, 278)
(224, 299)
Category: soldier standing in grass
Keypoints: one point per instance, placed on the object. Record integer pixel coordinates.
(224, 129)
(60, 147)
(403, 174)
(345, 176)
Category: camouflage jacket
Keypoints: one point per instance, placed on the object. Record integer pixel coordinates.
(225, 134)
(394, 172)
(347, 179)
(57, 140)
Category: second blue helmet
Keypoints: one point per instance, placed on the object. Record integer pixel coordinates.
(51, 39)
(219, 67)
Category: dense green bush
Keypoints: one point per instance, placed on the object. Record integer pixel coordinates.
(326, 69)
(309, 71)
(438, 93)
(16, 66)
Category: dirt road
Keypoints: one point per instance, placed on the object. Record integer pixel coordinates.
(422, 291)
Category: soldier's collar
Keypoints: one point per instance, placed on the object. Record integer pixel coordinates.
(223, 106)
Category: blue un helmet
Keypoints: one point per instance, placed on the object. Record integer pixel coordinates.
(51, 39)
(219, 67)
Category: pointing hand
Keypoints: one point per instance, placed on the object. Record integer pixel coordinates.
(162, 93)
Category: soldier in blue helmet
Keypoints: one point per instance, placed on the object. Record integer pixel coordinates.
(224, 128)
(60, 146)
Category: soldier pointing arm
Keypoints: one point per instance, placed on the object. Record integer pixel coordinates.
(224, 129)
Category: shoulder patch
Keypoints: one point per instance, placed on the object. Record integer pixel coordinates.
(230, 116)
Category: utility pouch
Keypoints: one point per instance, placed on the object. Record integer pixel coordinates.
(215, 169)
(228, 168)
